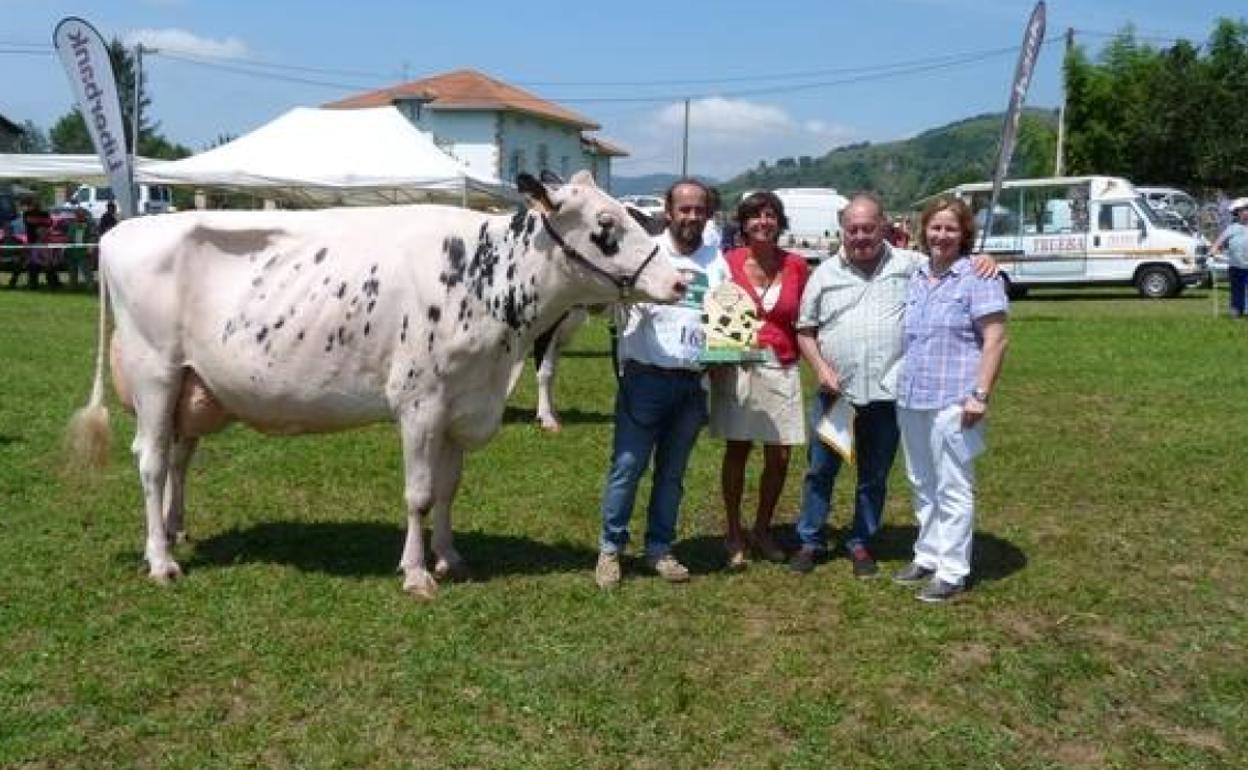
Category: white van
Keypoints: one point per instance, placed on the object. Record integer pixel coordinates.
(1084, 231)
(152, 199)
(814, 220)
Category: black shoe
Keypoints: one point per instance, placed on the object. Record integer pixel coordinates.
(912, 573)
(803, 560)
(938, 591)
(864, 565)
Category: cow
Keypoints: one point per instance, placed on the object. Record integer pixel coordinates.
(310, 321)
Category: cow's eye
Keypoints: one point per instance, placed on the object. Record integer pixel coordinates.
(606, 220)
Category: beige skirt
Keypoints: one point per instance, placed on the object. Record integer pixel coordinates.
(758, 403)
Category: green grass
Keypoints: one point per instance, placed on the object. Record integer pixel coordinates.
(1106, 629)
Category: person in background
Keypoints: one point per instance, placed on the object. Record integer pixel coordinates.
(78, 255)
(660, 405)
(954, 342)
(38, 223)
(108, 220)
(761, 402)
(1235, 240)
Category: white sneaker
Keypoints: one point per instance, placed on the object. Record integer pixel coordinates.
(607, 573)
(666, 567)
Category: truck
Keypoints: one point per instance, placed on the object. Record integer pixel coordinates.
(149, 199)
(1083, 231)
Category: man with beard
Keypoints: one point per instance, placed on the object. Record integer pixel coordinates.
(661, 405)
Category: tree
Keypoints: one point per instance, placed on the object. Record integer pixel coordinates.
(33, 139)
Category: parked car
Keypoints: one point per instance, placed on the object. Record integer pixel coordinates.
(651, 205)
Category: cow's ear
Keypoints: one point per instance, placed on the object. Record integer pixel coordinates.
(550, 178)
(535, 192)
(652, 225)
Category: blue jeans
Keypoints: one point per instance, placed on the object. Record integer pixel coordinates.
(1238, 277)
(655, 414)
(875, 445)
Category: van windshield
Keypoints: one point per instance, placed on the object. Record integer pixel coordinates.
(1148, 211)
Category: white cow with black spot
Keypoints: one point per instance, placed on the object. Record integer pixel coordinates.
(296, 322)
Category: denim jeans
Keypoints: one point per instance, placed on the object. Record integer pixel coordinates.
(1238, 277)
(657, 415)
(875, 447)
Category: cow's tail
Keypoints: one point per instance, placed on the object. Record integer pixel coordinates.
(88, 436)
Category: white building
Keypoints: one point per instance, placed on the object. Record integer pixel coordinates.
(496, 128)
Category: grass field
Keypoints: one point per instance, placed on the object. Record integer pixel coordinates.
(1106, 627)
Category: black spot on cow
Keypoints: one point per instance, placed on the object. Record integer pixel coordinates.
(432, 337)
(517, 222)
(342, 290)
(298, 265)
(372, 269)
(372, 303)
(267, 347)
(257, 281)
(367, 328)
(529, 225)
(435, 313)
(355, 300)
(299, 336)
(371, 287)
(279, 323)
(260, 335)
(342, 335)
(411, 374)
(463, 309)
(453, 247)
(320, 256)
(511, 272)
(270, 263)
(329, 342)
(603, 241)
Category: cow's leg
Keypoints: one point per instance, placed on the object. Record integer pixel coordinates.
(155, 394)
(420, 444)
(447, 471)
(175, 488)
(547, 366)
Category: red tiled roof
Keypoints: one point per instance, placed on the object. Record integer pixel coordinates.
(466, 90)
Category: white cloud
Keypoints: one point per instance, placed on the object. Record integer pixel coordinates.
(182, 41)
(726, 137)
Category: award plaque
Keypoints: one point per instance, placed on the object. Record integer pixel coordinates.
(730, 323)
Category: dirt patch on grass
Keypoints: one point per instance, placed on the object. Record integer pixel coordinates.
(968, 657)
(1078, 755)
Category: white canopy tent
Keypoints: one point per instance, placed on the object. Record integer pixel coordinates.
(61, 168)
(321, 157)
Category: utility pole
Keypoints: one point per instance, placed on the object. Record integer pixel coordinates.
(1059, 162)
(684, 155)
(138, 90)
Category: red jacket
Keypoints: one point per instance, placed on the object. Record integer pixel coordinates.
(779, 330)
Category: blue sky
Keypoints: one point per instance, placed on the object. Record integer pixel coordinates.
(626, 66)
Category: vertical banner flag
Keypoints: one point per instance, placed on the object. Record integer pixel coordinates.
(1032, 39)
(90, 72)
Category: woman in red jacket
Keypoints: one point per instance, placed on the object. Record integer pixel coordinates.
(761, 402)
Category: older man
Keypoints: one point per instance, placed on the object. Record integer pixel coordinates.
(850, 332)
(660, 406)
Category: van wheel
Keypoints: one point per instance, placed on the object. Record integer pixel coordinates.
(1157, 282)
(1012, 290)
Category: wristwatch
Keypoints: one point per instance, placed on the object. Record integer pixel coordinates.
(980, 395)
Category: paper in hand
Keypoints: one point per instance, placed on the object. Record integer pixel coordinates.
(836, 428)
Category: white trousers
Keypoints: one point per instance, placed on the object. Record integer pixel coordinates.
(940, 463)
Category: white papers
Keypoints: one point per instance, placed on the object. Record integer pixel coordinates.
(965, 443)
(836, 428)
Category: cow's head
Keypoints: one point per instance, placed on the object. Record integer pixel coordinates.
(601, 238)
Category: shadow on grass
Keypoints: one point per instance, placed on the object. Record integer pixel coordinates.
(6, 439)
(1081, 294)
(994, 558)
(515, 414)
(359, 549)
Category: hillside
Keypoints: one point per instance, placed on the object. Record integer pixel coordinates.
(907, 170)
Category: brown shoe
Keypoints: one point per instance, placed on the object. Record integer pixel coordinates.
(607, 573)
(864, 565)
(668, 568)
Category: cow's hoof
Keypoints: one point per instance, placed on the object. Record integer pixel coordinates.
(421, 585)
(451, 569)
(549, 424)
(165, 574)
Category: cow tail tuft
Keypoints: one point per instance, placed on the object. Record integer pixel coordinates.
(87, 438)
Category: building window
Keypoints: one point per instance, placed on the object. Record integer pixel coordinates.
(543, 157)
(516, 165)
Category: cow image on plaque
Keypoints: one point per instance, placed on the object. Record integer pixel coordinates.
(730, 322)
